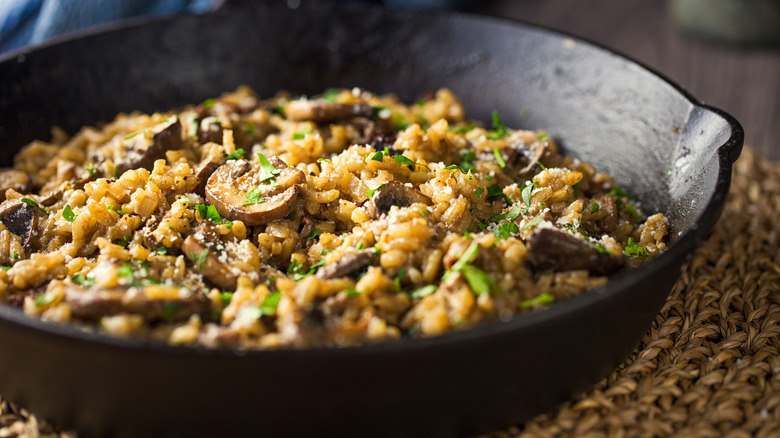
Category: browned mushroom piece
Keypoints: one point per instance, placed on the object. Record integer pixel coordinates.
(303, 327)
(142, 150)
(241, 191)
(20, 219)
(523, 160)
(202, 247)
(394, 193)
(94, 303)
(320, 111)
(347, 265)
(553, 250)
(204, 171)
(210, 130)
(13, 179)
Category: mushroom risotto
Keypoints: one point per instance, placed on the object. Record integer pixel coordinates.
(341, 219)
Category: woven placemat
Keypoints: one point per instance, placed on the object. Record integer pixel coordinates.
(710, 364)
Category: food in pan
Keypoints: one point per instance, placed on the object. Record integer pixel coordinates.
(341, 219)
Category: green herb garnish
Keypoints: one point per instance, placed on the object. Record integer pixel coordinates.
(462, 129)
(43, 299)
(378, 156)
(239, 152)
(91, 169)
(269, 304)
(209, 212)
(370, 192)
(504, 231)
(528, 191)
(533, 222)
(68, 214)
(499, 158)
(423, 291)
(403, 160)
(351, 292)
(225, 298)
(267, 170)
(82, 280)
(330, 95)
(202, 259)
(576, 190)
(594, 208)
(253, 197)
(314, 233)
(544, 298)
(510, 215)
(479, 193)
(634, 249)
(500, 130)
(32, 203)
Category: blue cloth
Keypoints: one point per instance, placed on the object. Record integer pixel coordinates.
(29, 22)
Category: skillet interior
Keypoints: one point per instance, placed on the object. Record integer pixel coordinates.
(670, 152)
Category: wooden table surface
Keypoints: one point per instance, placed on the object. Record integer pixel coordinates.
(743, 81)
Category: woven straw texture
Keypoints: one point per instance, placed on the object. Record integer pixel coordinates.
(710, 364)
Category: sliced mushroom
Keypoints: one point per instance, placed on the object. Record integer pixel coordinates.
(13, 179)
(270, 199)
(303, 328)
(554, 250)
(20, 219)
(204, 171)
(522, 160)
(320, 111)
(141, 152)
(95, 303)
(210, 130)
(201, 248)
(347, 265)
(394, 193)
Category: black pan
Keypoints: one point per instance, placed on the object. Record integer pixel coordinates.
(662, 145)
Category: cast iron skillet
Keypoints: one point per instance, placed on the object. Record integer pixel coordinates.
(663, 146)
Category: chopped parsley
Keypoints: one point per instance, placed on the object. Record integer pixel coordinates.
(239, 152)
(544, 298)
(466, 161)
(543, 137)
(370, 192)
(510, 215)
(136, 274)
(423, 291)
(504, 231)
(298, 270)
(269, 304)
(91, 169)
(403, 160)
(378, 156)
(599, 247)
(479, 193)
(225, 298)
(594, 208)
(68, 214)
(267, 170)
(202, 259)
(314, 233)
(528, 191)
(253, 197)
(44, 298)
(208, 103)
(478, 280)
(535, 221)
(398, 279)
(323, 160)
(300, 135)
(499, 130)
(499, 158)
(162, 250)
(634, 249)
(82, 280)
(462, 129)
(576, 190)
(32, 203)
(351, 292)
(209, 212)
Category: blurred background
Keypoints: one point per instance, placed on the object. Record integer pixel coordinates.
(724, 52)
